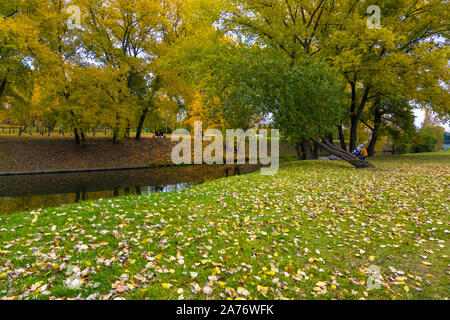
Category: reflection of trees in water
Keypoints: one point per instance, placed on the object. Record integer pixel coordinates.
(70, 188)
(28, 203)
(125, 191)
(81, 194)
(154, 189)
(169, 188)
(16, 204)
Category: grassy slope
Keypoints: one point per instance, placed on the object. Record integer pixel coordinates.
(312, 231)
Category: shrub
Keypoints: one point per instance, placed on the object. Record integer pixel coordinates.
(439, 132)
(402, 143)
(424, 141)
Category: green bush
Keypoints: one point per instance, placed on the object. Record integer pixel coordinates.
(424, 141)
(439, 132)
(402, 143)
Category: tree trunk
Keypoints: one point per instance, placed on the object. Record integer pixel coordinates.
(116, 130)
(298, 148)
(22, 129)
(353, 132)
(344, 155)
(127, 130)
(116, 137)
(353, 128)
(307, 150)
(141, 123)
(356, 115)
(2, 86)
(83, 136)
(375, 132)
(316, 151)
(331, 139)
(342, 138)
(77, 136)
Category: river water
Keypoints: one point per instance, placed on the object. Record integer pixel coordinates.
(31, 192)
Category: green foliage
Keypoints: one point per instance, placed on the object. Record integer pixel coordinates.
(424, 141)
(439, 133)
(252, 85)
(229, 64)
(304, 100)
(407, 56)
(402, 143)
(419, 141)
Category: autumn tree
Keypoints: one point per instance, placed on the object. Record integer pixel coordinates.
(304, 100)
(388, 113)
(18, 42)
(406, 55)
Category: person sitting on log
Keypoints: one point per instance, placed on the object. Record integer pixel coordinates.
(363, 154)
(357, 152)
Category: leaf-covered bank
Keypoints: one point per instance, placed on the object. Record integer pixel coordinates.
(312, 231)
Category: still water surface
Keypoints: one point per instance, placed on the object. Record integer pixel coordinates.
(31, 192)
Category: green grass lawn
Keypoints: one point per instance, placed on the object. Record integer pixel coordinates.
(311, 232)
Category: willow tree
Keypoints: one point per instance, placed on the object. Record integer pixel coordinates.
(303, 100)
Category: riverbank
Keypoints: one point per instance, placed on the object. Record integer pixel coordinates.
(312, 231)
(46, 155)
(58, 154)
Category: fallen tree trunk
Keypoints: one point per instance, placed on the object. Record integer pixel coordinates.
(344, 155)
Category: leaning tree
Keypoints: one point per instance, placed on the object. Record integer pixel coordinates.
(304, 100)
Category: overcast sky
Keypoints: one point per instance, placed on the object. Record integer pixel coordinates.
(420, 115)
